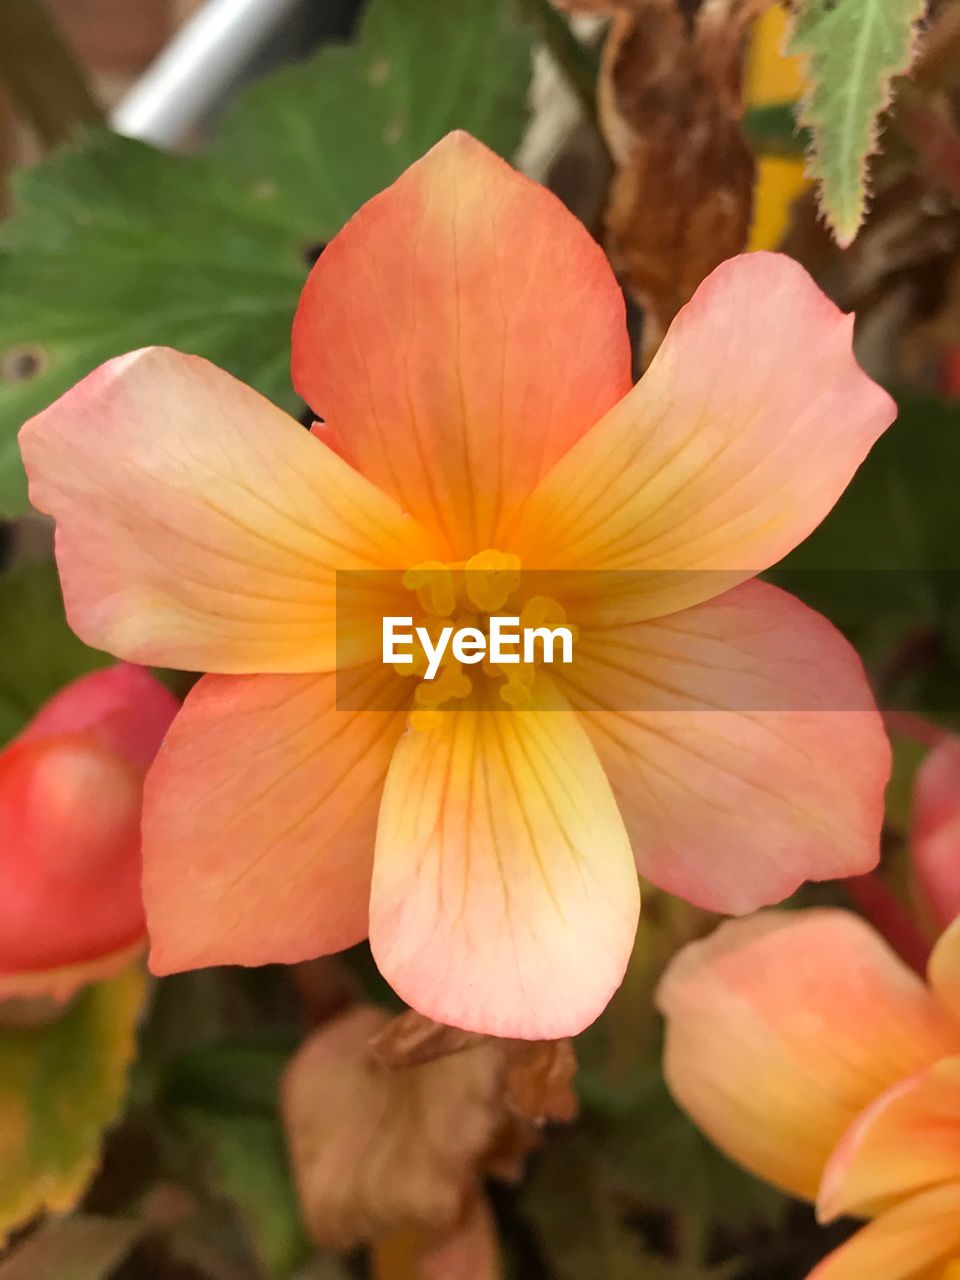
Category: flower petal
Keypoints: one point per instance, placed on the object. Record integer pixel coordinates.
(909, 1139)
(943, 971)
(742, 744)
(504, 894)
(935, 838)
(459, 334)
(901, 1244)
(259, 820)
(735, 444)
(197, 525)
(782, 1027)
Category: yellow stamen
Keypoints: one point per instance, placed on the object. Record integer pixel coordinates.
(542, 611)
(450, 683)
(433, 583)
(491, 579)
(466, 595)
(516, 691)
(417, 666)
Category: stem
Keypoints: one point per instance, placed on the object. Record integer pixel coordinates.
(890, 918)
(578, 64)
(907, 724)
(694, 1233)
(917, 648)
(42, 74)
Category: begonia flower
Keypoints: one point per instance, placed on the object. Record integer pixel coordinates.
(935, 830)
(71, 788)
(815, 1057)
(464, 340)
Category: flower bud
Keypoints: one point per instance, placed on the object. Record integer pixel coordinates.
(70, 793)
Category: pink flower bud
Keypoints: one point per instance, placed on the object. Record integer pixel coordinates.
(936, 830)
(70, 793)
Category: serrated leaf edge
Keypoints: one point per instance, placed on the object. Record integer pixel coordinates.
(845, 235)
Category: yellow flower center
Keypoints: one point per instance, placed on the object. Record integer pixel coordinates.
(473, 596)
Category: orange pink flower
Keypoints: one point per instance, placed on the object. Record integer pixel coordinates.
(463, 339)
(70, 794)
(935, 830)
(811, 1054)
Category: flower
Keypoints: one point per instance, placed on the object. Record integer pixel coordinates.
(811, 1054)
(935, 830)
(70, 796)
(464, 339)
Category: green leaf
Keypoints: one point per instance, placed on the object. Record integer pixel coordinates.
(885, 564)
(892, 543)
(243, 1159)
(61, 1085)
(578, 1213)
(81, 1248)
(39, 653)
(772, 130)
(232, 1077)
(663, 1158)
(854, 48)
(116, 245)
(222, 1101)
(420, 69)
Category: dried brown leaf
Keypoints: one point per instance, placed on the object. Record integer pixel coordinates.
(410, 1040)
(79, 1248)
(538, 1080)
(537, 1075)
(392, 1122)
(536, 1087)
(669, 98)
(469, 1252)
(937, 66)
(373, 1149)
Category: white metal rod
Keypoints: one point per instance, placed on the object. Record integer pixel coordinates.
(193, 72)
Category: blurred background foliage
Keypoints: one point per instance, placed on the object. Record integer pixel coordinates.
(171, 1153)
